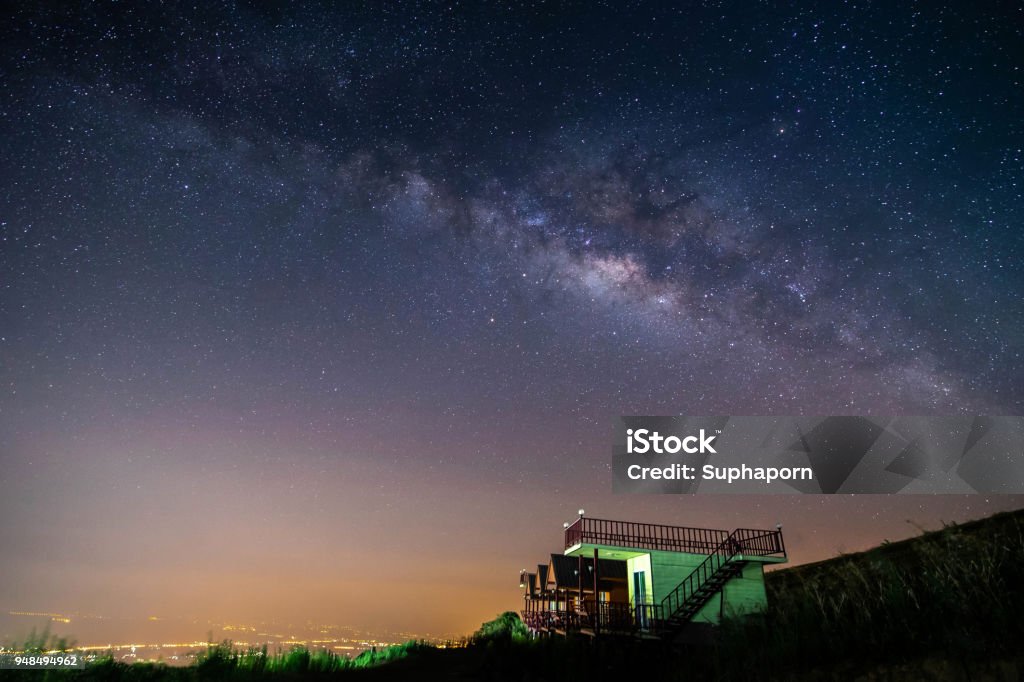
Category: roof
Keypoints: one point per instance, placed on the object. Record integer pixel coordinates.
(564, 569)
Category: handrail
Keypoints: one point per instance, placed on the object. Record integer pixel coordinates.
(643, 535)
(742, 541)
(685, 590)
(544, 610)
(756, 542)
(541, 614)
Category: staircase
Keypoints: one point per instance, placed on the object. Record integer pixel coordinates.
(710, 576)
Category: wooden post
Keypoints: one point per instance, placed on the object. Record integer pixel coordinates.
(579, 582)
(597, 601)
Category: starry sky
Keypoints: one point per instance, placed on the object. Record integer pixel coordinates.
(325, 311)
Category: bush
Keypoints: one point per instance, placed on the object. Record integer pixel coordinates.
(505, 628)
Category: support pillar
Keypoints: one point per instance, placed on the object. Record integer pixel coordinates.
(579, 583)
(597, 598)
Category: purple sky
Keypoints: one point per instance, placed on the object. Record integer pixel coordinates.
(326, 314)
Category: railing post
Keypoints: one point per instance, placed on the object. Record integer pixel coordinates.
(579, 582)
(597, 600)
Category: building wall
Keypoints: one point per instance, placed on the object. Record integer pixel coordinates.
(744, 593)
(640, 563)
(620, 593)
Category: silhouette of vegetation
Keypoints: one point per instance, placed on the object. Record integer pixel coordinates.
(956, 591)
(944, 605)
(507, 627)
(38, 642)
(223, 659)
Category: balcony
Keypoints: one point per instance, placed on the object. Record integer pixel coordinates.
(652, 536)
(551, 613)
(565, 602)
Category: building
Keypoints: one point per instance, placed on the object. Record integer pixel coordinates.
(648, 579)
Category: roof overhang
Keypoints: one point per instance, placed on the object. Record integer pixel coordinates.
(586, 549)
(605, 551)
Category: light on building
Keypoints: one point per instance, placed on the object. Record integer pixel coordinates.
(581, 512)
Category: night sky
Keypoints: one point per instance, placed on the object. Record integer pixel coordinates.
(325, 312)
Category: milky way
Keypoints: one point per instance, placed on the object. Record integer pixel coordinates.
(342, 268)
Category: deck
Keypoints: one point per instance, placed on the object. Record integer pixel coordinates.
(632, 539)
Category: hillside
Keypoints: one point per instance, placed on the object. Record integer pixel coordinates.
(954, 594)
(987, 530)
(941, 606)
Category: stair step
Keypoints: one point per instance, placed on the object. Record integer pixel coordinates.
(692, 603)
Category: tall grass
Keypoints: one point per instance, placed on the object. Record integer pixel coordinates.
(224, 659)
(958, 591)
(41, 641)
(955, 596)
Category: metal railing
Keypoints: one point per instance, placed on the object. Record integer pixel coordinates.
(643, 535)
(559, 614)
(689, 594)
(754, 542)
(544, 613)
(562, 612)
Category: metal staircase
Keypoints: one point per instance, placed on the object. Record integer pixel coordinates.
(709, 577)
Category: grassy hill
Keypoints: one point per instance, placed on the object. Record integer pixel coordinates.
(955, 594)
(942, 606)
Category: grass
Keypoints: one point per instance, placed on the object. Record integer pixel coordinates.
(958, 592)
(223, 660)
(38, 642)
(950, 602)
